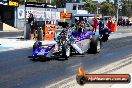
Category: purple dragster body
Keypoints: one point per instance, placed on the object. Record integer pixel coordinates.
(64, 45)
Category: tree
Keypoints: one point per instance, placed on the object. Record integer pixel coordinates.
(107, 9)
(90, 6)
(126, 8)
(108, 1)
(59, 3)
(115, 2)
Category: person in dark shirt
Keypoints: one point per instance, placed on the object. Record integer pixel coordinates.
(31, 22)
(127, 23)
(80, 27)
(101, 25)
(124, 22)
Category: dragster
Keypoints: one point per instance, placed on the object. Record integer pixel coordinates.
(69, 42)
(66, 44)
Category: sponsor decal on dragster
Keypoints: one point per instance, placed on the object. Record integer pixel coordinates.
(82, 35)
(42, 50)
(80, 45)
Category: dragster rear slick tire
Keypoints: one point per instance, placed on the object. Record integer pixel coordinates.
(95, 45)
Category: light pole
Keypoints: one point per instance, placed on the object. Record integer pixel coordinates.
(97, 11)
(45, 14)
(25, 33)
(64, 13)
(117, 12)
(51, 13)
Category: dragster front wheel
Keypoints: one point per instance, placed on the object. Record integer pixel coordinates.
(105, 37)
(66, 51)
(35, 45)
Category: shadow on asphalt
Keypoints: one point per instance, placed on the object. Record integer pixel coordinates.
(48, 59)
(16, 38)
(20, 39)
(56, 58)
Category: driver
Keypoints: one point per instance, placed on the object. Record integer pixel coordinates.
(80, 27)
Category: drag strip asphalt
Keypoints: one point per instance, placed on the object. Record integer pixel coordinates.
(18, 71)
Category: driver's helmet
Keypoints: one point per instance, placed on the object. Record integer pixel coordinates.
(81, 24)
(64, 31)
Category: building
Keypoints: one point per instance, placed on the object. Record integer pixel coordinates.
(74, 8)
(77, 9)
(8, 11)
(50, 14)
(42, 12)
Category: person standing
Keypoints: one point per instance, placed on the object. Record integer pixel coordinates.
(121, 21)
(124, 22)
(110, 23)
(80, 27)
(95, 24)
(101, 25)
(69, 30)
(32, 28)
(127, 23)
